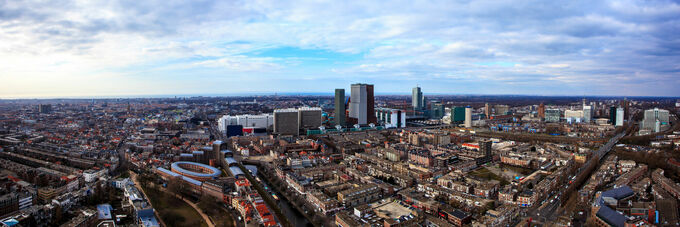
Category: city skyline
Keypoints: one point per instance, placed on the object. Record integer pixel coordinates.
(116, 49)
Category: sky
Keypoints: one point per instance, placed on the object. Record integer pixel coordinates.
(136, 48)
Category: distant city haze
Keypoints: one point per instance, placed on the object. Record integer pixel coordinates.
(159, 48)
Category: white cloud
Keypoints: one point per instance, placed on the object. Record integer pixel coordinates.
(62, 47)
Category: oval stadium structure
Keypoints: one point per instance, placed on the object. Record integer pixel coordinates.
(194, 170)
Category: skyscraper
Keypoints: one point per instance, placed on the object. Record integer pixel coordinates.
(485, 147)
(340, 106)
(468, 117)
(612, 115)
(587, 113)
(619, 116)
(437, 110)
(541, 111)
(44, 108)
(417, 99)
(362, 104)
(458, 114)
(487, 110)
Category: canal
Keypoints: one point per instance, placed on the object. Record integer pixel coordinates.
(294, 216)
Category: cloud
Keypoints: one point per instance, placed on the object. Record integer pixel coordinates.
(631, 44)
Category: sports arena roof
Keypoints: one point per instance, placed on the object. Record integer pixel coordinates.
(214, 172)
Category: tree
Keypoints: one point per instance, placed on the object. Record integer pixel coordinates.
(207, 203)
(177, 186)
(455, 203)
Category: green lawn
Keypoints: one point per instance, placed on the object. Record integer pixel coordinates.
(173, 210)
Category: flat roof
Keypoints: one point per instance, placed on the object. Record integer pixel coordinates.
(104, 211)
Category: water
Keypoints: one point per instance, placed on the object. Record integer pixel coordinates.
(293, 215)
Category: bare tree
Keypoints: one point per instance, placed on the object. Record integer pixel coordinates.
(177, 186)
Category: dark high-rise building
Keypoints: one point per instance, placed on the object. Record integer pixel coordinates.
(362, 104)
(286, 122)
(291, 121)
(309, 117)
(541, 111)
(458, 114)
(214, 154)
(437, 110)
(44, 108)
(370, 98)
(626, 106)
(485, 147)
(417, 99)
(612, 114)
(340, 107)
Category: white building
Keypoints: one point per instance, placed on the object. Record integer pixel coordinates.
(619, 116)
(468, 117)
(92, 175)
(655, 120)
(587, 114)
(247, 121)
(391, 118)
(358, 105)
(573, 115)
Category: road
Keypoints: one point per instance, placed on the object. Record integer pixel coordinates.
(549, 209)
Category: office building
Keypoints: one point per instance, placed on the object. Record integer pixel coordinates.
(309, 117)
(612, 115)
(655, 120)
(286, 122)
(541, 111)
(485, 147)
(501, 109)
(468, 117)
(552, 115)
(291, 121)
(44, 108)
(619, 116)
(487, 110)
(362, 104)
(587, 114)
(573, 115)
(417, 99)
(391, 118)
(458, 114)
(340, 107)
(437, 110)
(247, 121)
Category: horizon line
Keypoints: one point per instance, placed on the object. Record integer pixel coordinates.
(253, 94)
